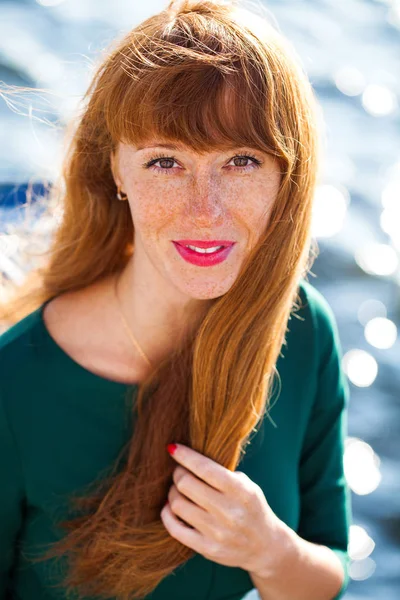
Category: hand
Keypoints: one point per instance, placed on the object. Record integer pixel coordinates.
(227, 517)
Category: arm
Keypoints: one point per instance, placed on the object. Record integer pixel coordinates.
(314, 561)
(11, 501)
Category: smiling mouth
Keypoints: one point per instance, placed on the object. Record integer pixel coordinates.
(204, 257)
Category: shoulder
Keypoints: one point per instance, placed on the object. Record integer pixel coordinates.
(319, 307)
(329, 349)
(16, 360)
(313, 336)
(17, 338)
(18, 350)
(316, 308)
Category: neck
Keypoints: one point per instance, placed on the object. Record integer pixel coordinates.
(158, 316)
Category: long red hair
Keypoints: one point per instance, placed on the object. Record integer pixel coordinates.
(205, 73)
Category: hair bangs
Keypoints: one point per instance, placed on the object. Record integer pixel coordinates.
(198, 106)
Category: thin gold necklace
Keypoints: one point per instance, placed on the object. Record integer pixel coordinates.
(135, 343)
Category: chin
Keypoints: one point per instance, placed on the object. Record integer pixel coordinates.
(208, 290)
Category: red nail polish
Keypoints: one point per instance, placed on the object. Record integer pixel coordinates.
(171, 448)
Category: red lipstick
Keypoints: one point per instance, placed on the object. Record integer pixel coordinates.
(202, 259)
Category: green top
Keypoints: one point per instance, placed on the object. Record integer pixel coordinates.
(61, 426)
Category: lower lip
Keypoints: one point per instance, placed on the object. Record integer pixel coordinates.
(203, 260)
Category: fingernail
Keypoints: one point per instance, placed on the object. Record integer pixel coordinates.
(171, 448)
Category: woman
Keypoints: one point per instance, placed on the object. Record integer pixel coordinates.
(199, 130)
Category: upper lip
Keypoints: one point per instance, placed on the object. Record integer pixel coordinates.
(204, 244)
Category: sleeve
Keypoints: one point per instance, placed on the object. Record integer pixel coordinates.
(11, 501)
(326, 511)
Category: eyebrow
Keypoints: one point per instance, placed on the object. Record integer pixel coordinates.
(169, 146)
(180, 146)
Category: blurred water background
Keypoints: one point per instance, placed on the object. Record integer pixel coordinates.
(351, 51)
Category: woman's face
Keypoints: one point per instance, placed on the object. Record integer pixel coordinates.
(220, 195)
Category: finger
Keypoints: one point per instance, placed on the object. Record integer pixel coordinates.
(193, 515)
(181, 532)
(203, 467)
(197, 490)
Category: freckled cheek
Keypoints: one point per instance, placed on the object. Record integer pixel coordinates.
(151, 214)
(254, 217)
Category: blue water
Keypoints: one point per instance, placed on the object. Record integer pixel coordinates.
(55, 47)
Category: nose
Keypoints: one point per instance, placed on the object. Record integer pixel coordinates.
(205, 204)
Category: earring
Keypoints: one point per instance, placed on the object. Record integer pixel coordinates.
(119, 194)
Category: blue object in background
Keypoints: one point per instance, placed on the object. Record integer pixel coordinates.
(13, 195)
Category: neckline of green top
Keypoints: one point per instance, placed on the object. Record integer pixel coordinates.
(67, 358)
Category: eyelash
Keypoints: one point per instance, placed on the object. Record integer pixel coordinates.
(163, 170)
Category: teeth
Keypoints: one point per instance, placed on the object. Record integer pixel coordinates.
(205, 250)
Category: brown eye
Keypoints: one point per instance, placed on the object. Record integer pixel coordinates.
(163, 160)
(241, 159)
